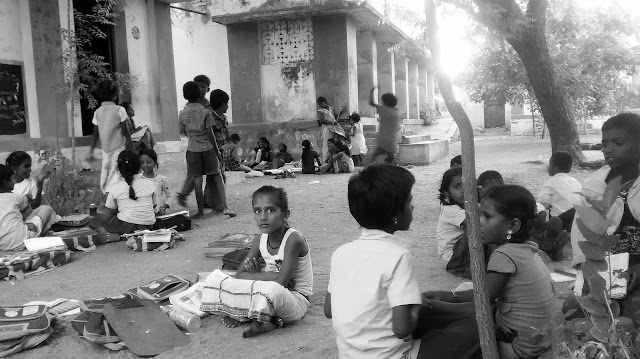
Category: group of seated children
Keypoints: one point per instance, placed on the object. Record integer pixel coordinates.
(374, 299)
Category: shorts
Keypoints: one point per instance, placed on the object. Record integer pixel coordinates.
(202, 163)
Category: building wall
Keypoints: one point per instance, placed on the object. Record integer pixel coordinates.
(200, 47)
(288, 92)
(244, 68)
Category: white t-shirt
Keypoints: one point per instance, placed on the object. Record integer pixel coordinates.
(449, 229)
(560, 192)
(13, 230)
(139, 211)
(369, 277)
(26, 187)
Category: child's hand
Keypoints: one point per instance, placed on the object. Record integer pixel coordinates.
(251, 265)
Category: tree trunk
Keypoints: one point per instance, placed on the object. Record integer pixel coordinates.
(532, 48)
(484, 316)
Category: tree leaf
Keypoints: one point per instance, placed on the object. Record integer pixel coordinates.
(592, 251)
(599, 335)
(609, 241)
(588, 234)
(592, 306)
(592, 219)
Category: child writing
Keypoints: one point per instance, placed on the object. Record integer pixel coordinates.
(17, 221)
(561, 192)
(390, 123)
(20, 163)
(621, 151)
(282, 156)
(517, 279)
(373, 296)
(339, 160)
(131, 201)
(140, 135)
(110, 127)
(149, 165)
(309, 158)
(274, 294)
(358, 143)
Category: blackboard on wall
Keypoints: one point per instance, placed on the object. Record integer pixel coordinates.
(13, 117)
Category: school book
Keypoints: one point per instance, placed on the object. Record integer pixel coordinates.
(43, 243)
(161, 288)
(618, 263)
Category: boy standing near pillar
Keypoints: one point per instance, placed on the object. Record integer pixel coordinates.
(390, 123)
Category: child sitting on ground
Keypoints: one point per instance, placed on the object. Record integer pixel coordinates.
(20, 163)
(140, 135)
(373, 296)
(149, 165)
(451, 223)
(489, 179)
(621, 150)
(517, 279)
(309, 158)
(281, 157)
(340, 160)
(230, 156)
(390, 124)
(17, 220)
(110, 127)
(274, 294)
(358, 142)
(131, 201)
(561, 192)
(263, 155)
(456, 161)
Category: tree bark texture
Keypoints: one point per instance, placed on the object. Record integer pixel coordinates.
(484, 315)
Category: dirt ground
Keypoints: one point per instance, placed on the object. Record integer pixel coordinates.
(320, 211)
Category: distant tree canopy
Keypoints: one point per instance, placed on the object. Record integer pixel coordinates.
(594, 53)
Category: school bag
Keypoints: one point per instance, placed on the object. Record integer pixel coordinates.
(92, 325)
(85, 238)
(179, 220)
(23, 327)
(233, 259)
(162, 288)
(17, 264)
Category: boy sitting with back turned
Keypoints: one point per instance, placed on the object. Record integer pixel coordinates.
(561, 192)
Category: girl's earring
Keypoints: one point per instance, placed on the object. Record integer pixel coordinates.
(395, 220)
(509, 235)
(446, 199)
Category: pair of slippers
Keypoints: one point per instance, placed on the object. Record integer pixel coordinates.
(285, 175)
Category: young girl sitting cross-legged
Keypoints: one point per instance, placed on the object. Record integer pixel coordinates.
(517, 279)
(17, 221)
(373, 296)
(131, 201)
(269, 295)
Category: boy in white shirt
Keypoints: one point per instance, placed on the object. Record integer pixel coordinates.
(373, 296)
(561, 192)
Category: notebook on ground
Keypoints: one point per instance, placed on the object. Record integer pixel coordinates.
(618, 263)
(161, 288)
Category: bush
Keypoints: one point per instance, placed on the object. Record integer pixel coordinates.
(68, 192)
(428, 113)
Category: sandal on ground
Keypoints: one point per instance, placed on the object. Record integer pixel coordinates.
(230, 213)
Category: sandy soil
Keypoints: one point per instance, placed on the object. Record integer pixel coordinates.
(319, 211)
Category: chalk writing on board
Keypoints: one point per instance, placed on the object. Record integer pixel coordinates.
(12, 107)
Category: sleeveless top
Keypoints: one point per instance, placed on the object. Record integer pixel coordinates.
(303, 273)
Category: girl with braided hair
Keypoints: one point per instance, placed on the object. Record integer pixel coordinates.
(131, 201)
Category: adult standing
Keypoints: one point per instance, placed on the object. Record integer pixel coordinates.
(327, 119)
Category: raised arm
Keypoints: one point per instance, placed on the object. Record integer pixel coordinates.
(372, 98)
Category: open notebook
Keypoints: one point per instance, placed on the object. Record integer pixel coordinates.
(618, 264)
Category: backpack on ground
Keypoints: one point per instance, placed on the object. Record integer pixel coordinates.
(23, 327)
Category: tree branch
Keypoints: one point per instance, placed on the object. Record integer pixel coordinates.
(537, 10)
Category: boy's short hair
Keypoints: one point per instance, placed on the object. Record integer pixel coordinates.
(389, 100)
(321, 99)
(627, 121)
(355, 117)
(457, 160)
(107, 90)
(562, 161)
(191, 91)
(378, 193)
(490, 175)
(235, 137)
(218, 98)
(203, 79)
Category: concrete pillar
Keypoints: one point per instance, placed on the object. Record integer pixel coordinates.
(386, 69)
(431, 88)
(244, 72)
(166, 73)
(414, 100)
(422, 86)
(49, 71)
(335, 63)
(402, 87)
(367, 70)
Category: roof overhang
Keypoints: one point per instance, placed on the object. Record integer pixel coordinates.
(364, 15)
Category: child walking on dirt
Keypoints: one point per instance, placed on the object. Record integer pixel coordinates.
(517, 279)
(270, 295)
(373, 296)
(390, 124)
(17, 221)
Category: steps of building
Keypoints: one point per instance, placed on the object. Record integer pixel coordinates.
(411, 139)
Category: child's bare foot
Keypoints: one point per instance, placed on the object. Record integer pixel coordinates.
(256, 328)
(230, 213)
(232, 322)
(199, 215)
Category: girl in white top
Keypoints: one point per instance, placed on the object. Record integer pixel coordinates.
(149, 165)
(358, 142)
(20, 163)
(451, 222)
(285, 278)
(131, 200)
